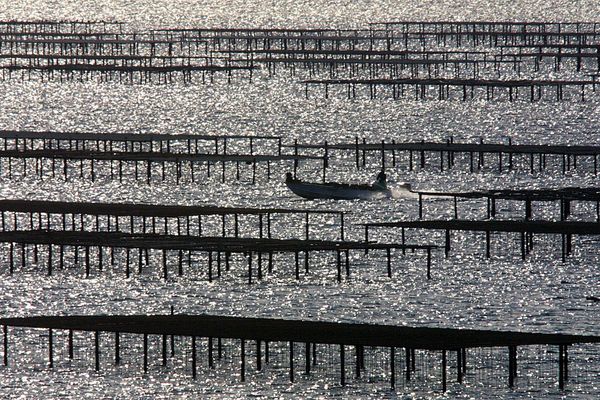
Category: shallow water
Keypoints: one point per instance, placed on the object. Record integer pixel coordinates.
(467, 291)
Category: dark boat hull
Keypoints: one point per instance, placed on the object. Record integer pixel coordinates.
(336, 191)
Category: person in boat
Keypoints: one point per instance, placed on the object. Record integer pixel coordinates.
(290, 178)
(381, 182)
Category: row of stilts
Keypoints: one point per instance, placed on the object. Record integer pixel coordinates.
(271, 355)
(423, 50)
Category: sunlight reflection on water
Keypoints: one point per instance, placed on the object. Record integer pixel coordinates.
(540, 294)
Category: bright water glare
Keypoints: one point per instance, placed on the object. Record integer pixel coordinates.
(540, 294)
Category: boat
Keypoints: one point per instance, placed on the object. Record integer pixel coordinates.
(340, 191)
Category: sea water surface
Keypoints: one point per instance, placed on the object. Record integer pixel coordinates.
(541, 294)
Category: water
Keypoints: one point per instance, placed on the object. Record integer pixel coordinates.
(540, 294)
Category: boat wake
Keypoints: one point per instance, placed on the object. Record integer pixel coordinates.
(403, 192)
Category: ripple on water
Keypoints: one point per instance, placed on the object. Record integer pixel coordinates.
(540, 294)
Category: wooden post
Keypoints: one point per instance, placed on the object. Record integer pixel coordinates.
(306, 262)
(459, 371)
(211, 363)
(145, 353)
(455, 208)
(50, 260)
(70, 344)
(306, 227)
(258, 356)
(464, 361)
(307, 358)
(325, 161)
(164, 350)
(428, 262)
(117, 348)
(97, 350)
(180, 259)
(561, 377)
(514, 354)
(357, 368)
(193, 357)
(87, 261)
(266, 352)
(566, 362)
(50, 348)
(444, 371)
(243, 360)
(364, 158)
(295, 157)
(407, 362)
(24, 256)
